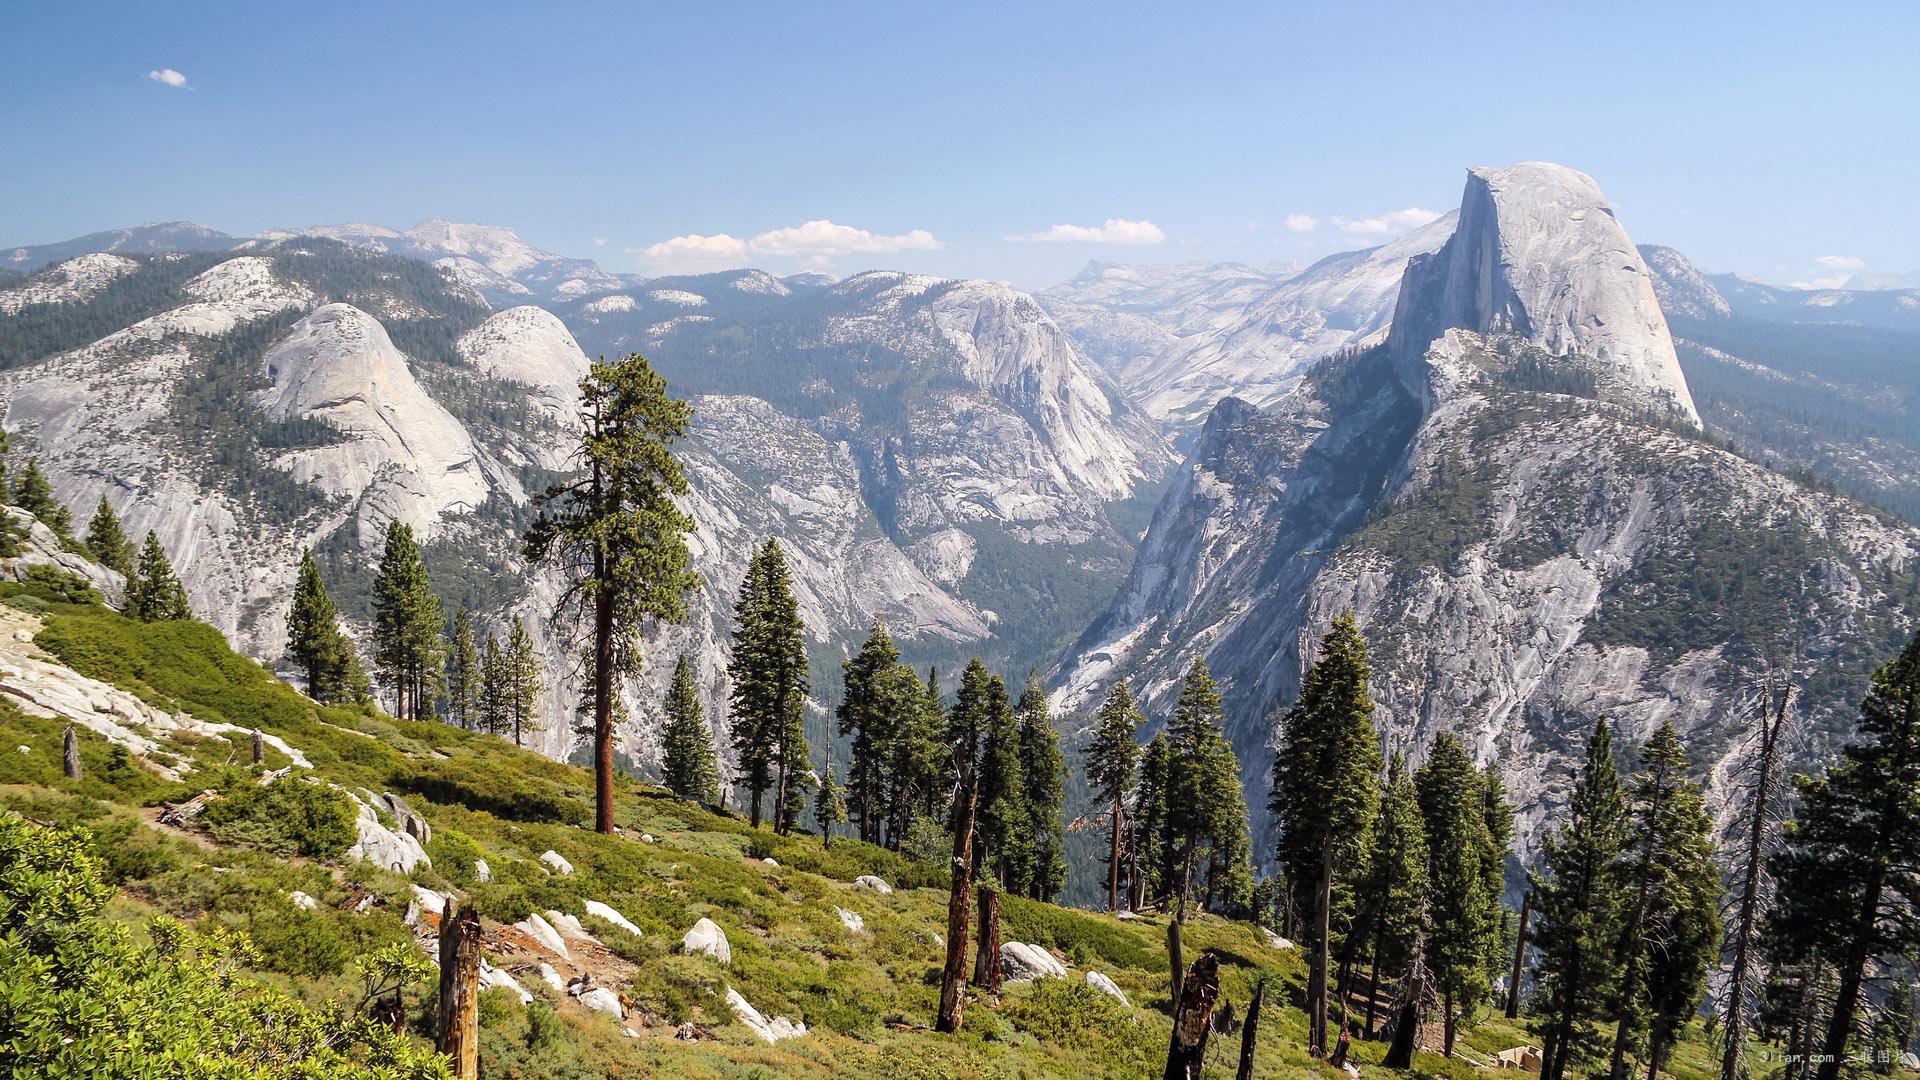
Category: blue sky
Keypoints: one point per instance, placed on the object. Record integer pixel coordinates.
(1763, 138)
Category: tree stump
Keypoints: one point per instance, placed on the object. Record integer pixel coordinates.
(458, 1029)
(1199, 990)
(953, 977)
(1250, 1031)
(986, 965)
(259, 747)
(70, 753)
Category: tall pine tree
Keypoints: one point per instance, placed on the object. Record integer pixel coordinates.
(155, 594)
(1000, 838)
(770, 682)
(107, 542)
(406, 624)
(1043, 774)
(1461, 915)
(1111, 756)
(1207, 831)
(462, 678)
(869, 724)
(1393, 894)
(688, 765)
(315, 642)
(524, 683)
(1150, 849)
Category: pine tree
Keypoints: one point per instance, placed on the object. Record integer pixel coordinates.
(32, 493)
(1111, 756)
(1149, 854)
(829, 808)
(1206, 809)
(688, 765)
(495, 683)
(1043, 773)
(406, 624)
(524, 684)
(1849, 870)
(315, 642)
(1000, 838)
(869, 725)
(915, 757)
(1460, 913)
(1393, 895)
(1325, 798)
(618, 537)
(462, 679)
(770, 684)
(155, 594)
(107, 543)
(1497, 813)
(1579, 900)
(966, 722)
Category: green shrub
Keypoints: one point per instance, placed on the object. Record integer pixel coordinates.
(1074, 1016)
(300, 943)
(288, 817)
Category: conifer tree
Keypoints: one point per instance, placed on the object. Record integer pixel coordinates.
(966, 722)
(1392, 908)
(916, 758)
(315, 642)
(618, 537)
(406, 624)
(1325, 798)
(1111, 756)
(1460, 913)
(1000, 840)
(107, 542)
(524, 684)
(829, 807)
(1043, 774)
(155, 594)
(770, 683)
(1206, 810)
(1848, 872)
(1497, 813)
(1579, 900)
(688, 766)
(869, 724)
(32, 493)
(494, 686)
(1150, 854)
(462, 679)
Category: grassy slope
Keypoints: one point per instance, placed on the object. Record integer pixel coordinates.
(792, 956)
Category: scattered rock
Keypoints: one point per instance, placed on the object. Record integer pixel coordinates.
(542, 932)
(630, 1033)
(603, 1000)
(1351, 1070)
(852, 921)
(646, 838)
(303, 901)
(1108, 987)
(771, 1030)
(569, 926)
(1909, 1060)
(383, 847)
(552, 978)
(556, 862)
(1275, 941)
(868, 881)
(1123, 915)
(412, 917)
(491, 976)
(769, 861)
(707, 937)
(411, 823)
(1020, 962)
(430, 900)
(692, 1032)
(605, 911)
(481, 871)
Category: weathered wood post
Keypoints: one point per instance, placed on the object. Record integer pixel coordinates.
(259, 747)
(1199, 990)
(986, 964)
(459, 1012)
(1250, 1032)
(70, 753)
(953, 996)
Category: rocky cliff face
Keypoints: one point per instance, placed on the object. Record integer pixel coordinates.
(1527, 542)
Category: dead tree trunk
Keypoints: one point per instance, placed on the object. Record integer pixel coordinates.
(1519, 957)
(1406, 1018)
(1733, 1017)
(1199, 990)
(1250, 1032)
(259, 748)
(953, 977)
(1174, 960)
(70, 753)
(986, 964)
(459, 1013)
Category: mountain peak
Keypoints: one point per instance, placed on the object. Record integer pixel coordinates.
(1538, 252)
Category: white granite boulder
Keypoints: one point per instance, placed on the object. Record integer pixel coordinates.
(606, 911)
(868, 881)
(556, 862)
(543, 933)
(850, 920)
(707, 937)
(1108, 987)
(603, 1000)
(1020, 962)
(771, 1030)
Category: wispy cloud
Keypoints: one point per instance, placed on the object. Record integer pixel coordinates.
(167, 77)
(1387, 224)
(1841, 262)
(1114, 231)
(599, 241)
(816, 243)
(1302, 222)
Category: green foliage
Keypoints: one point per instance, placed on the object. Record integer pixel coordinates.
(106, 542)
(51, 585)
(316, 644)
(688, 766)
(1206, 809)
(154, 594)
(406, 625)
(1111, 755)
(1076, 1017)
(1043, 781)
(288, 817)
(32, 493)
(1463, 897)
(38, 331)
(770, 683)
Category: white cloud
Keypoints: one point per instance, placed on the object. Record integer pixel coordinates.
(1302, 222)
(1396, 221)
(1841, 262)
(599, 241)
(815, 244)
(167, 77)
(1115, 231)
(1835, 281)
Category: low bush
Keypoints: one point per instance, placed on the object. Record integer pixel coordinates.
(288, 817)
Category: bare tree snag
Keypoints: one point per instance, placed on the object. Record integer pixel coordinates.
(986, 964)
(459, 1013)
(1519, 957)
(259, 747)
(1733, 1015)
(953, 996)
(1193, 1018)
(1250, 1032)
(70, 752)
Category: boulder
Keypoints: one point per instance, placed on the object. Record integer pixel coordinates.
(552, 978)
(646, 838)
(543, 933)
(410, 823)
(302, 901)
(1108, 987)
(430, 900)
(769, 861)
(1275, 941)
(707, 937)
(603, 1000)
(569, 926)
(383, 847)
(491, 976)
(771, 1030)
(481, 871)
(868, 881)
(605, 911)
(556, 862)
(1020, 962)
(852, 921)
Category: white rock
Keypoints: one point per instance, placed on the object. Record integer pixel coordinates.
(552, 978)
(604, 1000)
(607, 912)
(303, 901)
(1275, 941)
(707, 937)
(491, 976)
(851, 920)
(384, 847)
(646, 838)
(430, 900)
(868, 881)
(569, 926)
(481, 871)
(1108, 987)
(771, 1030)
(1351, 1070)
(1020, 962)
(543, 933)
(769, 861)
(556, 862)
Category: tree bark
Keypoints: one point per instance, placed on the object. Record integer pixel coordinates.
(1249, 1033)
(259, 748)
(1373, 986)
(1733, 1020)
(953, 996)
(602, 681)
(458, 1028)
(1317, 965)
(1113, 856)
(1447, 1021)
(986, 964)
(1175, 960)
(1847, 998)
(1193, 1019)
(1519, 957)
(1406, 1025)
(70, 753)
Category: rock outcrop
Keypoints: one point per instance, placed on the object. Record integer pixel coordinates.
(1020, 962)
(707, 937)
(771, 1030)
